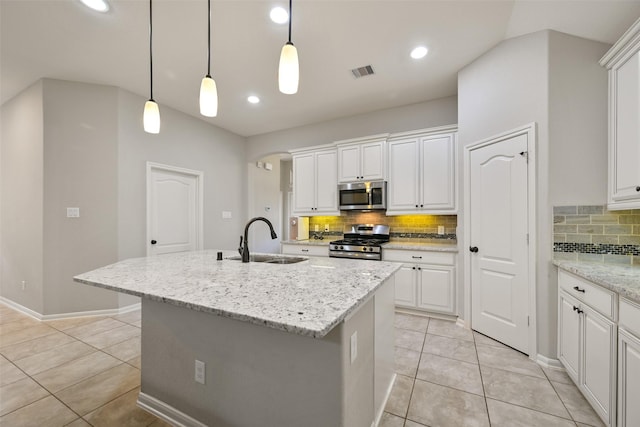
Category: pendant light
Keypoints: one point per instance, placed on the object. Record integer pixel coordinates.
(151, 116)
(208, 89)
(288, 71)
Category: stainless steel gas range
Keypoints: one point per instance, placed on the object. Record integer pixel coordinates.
(361, 241)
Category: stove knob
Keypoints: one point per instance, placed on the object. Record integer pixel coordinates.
(341, 247)
(364, 249)
(370, 249)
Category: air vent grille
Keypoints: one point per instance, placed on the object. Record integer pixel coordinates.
(367, 70)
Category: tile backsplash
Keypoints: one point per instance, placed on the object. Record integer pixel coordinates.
(592, 233)
(401, 226)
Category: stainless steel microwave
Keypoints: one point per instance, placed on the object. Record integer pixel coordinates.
(362, 196)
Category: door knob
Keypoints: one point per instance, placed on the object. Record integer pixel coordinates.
(153, 242)
(473, 249)
(638, 188)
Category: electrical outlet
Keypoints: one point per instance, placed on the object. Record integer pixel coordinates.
(326, 227)
(200, 372)
(316, 227)
(354, 346)
(441, 230)
(73, 212)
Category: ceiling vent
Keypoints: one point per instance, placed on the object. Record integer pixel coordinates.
(367, 70)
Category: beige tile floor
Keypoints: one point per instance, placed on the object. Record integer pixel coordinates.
(86, 372)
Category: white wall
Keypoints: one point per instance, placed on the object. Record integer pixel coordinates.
(69, 144)
(80, 170)
(187, 142)
(22, 198)
(551, 79)
(409, 117)
(265, 200)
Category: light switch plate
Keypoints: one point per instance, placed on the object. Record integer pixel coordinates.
(226, 214)
(441, 230)
(200, 372)
(73, 212)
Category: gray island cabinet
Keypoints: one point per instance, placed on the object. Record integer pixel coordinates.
(305, 344)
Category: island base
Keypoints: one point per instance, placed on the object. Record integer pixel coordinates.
(256, 375)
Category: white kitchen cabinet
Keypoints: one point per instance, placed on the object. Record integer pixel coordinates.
(629, 364)
(305, 250)
(315, 182)
(426, 281)
(422, 172)
(623, 63)
(587, 337)
(362, 159)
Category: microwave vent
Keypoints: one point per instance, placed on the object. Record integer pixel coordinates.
(367, 70)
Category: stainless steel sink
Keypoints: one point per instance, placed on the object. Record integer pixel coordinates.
(271, 259)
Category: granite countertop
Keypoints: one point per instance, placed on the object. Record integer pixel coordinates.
(622, 279)
(313, 242)
(436, 245)
(308, 298)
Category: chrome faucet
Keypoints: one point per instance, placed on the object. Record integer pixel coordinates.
(244, 249)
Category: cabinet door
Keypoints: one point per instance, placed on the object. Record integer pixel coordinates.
(437, 173)
(569, 335)
(326, 183)
(349, 163)
(304, 183)
(599, 353)
(436, 288)
(403, 175)
(372, 161)
(628, 380)
(405, 287)
(625, 149)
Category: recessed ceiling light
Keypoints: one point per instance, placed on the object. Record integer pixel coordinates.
(98, 5)
(253, 99)
(279, 15)
(419, 52)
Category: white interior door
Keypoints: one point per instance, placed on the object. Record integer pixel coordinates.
(174, 209)
(499, 241)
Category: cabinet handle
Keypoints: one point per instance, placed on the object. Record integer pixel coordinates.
(416, 257)
(413, 268)
(577, 309)
(578, 289)
(305, 250)
(422, 206)
(416, 206)
(419, 268)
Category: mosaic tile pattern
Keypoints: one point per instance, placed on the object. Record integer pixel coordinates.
(592, 233)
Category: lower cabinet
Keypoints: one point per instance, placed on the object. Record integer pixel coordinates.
(629, 364)
(587, 345)
(422, 283)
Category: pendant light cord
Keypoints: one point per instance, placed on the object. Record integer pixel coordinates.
(290, 4)
(209, 40)
(151, 48)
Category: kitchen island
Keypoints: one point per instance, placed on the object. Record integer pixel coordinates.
(307, 344)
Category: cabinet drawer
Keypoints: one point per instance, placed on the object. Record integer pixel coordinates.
(597, 297)
(630, 316)
(311, 250)
(422, 257)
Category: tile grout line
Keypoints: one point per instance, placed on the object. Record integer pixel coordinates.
(415, 377)
(484, 391)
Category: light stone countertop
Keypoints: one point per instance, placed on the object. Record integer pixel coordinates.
(423, 245)
(307, 298)
(313, 242)
(622, 279)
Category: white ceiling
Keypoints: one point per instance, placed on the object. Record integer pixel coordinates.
(62, 39)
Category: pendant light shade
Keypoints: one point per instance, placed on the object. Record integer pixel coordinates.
(151, 116)
(289, 71)
(208, 88)
(208, 97)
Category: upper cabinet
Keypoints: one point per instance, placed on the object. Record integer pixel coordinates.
(315, 182)
(362, 159)
(422, 172)
(623, 63)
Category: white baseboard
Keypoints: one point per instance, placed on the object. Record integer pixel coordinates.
(166, 412)
(549, 363)
(108, 312)
(380, 413)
